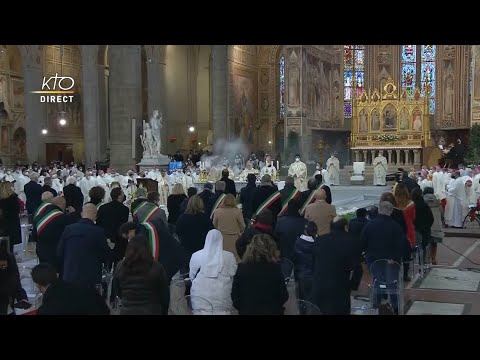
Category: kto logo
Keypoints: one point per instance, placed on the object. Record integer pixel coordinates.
(56, 89)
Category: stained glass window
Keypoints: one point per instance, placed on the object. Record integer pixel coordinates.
(428, 74)
(409, 71)
(282, 86)
(353, 74)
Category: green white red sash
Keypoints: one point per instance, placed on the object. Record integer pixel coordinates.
(151, 213)
(293, 195)
(267, 203)
(152, 239)
(217, 204)
(100, 204)
(41, 209)
(135, 211)
(47, 219)
(310, 199)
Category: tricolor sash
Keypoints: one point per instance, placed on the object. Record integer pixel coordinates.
(151, 214)
(310, 199)
(135, 211)
(217, 204)
(152, 239)
(293, 195)
(47, 219)
(267, 203)
(41, 209)
(100, 204)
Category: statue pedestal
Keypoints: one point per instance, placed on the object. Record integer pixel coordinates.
(150, 163)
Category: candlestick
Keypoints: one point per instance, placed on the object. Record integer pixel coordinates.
(277, 165)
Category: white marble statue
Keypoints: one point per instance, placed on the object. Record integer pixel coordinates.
(298, 170)
(333, 169)
(380, 168)
(147, 140)
(156, 126)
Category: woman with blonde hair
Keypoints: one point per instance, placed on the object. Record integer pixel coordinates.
(193, 226)
(229, 220)
(404, 203)
(9, 214)
(259, 285)
(174, 201)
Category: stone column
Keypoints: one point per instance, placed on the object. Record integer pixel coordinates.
(35, 111)
(416, 157)
(91, 106)
(219, 93)
(125, 104)
(407, 157)
(389, 156)
(365, 156)
(398, 157)
(157, 88)
(357, 155)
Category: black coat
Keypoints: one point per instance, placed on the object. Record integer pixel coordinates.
(246, 199)
(213, 200)
(9, 219)
(83, 249)
(261, 194)
(410, 184)
(173, 206)
(67, 299)
(304, 259)
(259, 289)
(244, 239)
(287, 229)
(206, 196)
(286, 191)
(33, 192)
(146, 294)
(49, 238)
(230, 186)
(46, 188)
(423, 220)
(11, 290)
(171, 255)
(192, 231)
(333, 255)
(73, 197)
(355, 228)
(110, 217)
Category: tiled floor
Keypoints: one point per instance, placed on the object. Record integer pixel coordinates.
(435, 308)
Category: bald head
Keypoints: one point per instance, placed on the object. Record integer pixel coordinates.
(47, 196)
(89, 211)
(60, 202)
(320, 195)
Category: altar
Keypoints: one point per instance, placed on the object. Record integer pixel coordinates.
(239, 185)
(398, 125)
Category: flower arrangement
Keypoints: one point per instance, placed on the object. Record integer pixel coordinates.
(388, 137)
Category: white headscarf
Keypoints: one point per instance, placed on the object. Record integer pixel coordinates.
(212, 259)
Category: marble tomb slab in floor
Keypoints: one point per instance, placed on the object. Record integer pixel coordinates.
(450, 279)
(435, 308)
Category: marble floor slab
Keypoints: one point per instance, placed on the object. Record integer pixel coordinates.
(435, 308)
(450, 279)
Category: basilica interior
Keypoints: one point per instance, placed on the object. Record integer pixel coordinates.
(279, 99)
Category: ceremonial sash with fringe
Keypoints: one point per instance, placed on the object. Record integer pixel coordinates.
(310, 199)
(100, 204)
(152, 238)
(217, 204)
(41, 209)
(293, 195)
(270, 200)
(135, 211)
(47, 219)
(151, 214)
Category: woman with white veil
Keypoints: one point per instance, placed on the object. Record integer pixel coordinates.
(211, 272)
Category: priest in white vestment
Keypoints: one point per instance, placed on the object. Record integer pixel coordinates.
(428, 182)
(298, 170)
(269, 169)
(333, 169)
(438, 184)
(249, 169)
(187, 181)
(163, 187)
(456, 201)
(380, 168)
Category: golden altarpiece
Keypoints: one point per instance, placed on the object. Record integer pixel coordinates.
(398, 125)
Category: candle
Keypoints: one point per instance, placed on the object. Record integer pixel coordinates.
(277, 165)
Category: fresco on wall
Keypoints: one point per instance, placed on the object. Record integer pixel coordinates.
(245, 104)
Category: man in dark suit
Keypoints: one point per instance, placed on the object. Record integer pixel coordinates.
(288, 188)
(206, 196)
(83, 249)
(110, 217)
(219, 190)
(229, 184)
(246, 197)
(304, 195)
(48, 228)
(262, 193)
(33, 192)
(409, 182)
(47, 186)
(73, 194)
(60, 298)
(319, 179)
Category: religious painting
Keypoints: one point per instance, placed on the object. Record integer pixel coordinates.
(20, 143)
(389, 117)
(4, 137)
(14, 59)
(417, 123)
(318, 88)
(18, 95)
(448, 96)
(363, 121)
(244, 104)
(375, 120)
(4, 92)
(74, 109)
(404, 121)
(293, 86)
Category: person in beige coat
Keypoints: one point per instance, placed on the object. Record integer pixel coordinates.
(321, 213)
(228, 219)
